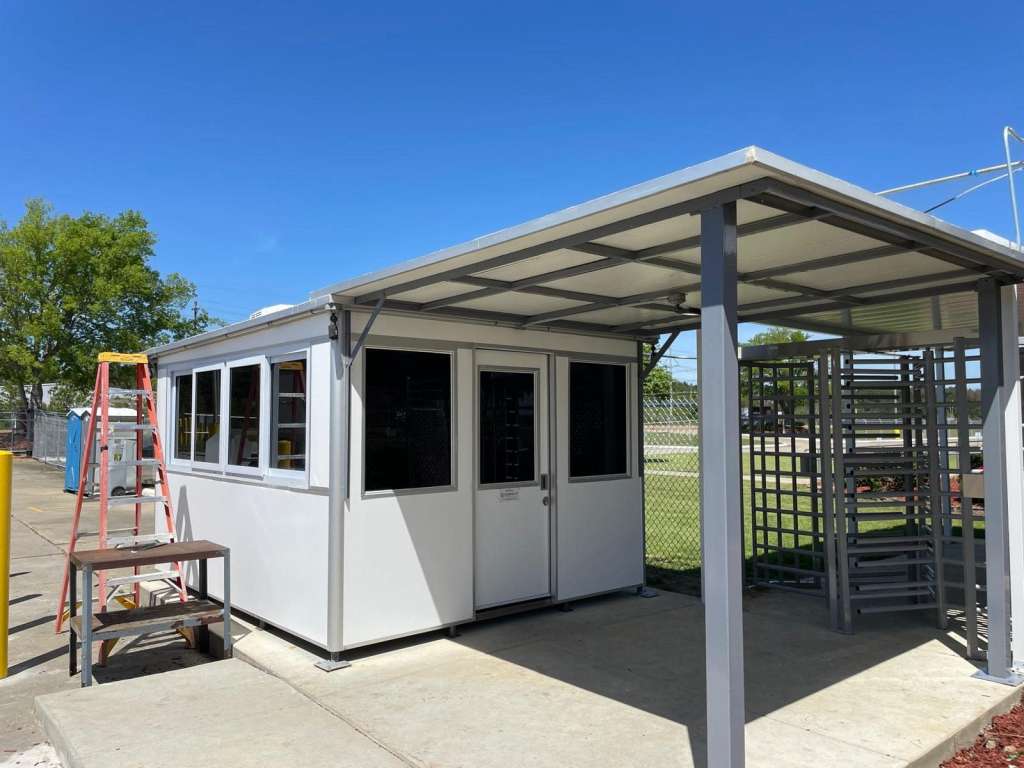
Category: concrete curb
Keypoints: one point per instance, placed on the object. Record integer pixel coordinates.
(966, 735)
(57, 740)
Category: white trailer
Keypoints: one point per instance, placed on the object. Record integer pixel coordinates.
(469, 489)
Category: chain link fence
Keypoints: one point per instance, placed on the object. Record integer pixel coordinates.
(49, 438)
(672, 492)
(13, 431)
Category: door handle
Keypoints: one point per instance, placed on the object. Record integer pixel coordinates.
(545, 501)
(544, 481)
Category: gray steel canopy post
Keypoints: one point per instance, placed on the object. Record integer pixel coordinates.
(341, 345)
(994, 439)
(721, 486)
(1014, 470)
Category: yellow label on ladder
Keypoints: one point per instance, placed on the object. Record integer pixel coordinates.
(122, 357)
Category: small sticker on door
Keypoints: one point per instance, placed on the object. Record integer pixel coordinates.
(508, 494)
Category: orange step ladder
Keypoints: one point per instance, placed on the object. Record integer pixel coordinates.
(145, 422)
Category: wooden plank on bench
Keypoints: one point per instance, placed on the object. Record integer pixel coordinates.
(102, 559)
(141, 621)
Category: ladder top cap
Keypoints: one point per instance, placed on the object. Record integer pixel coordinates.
(122, 357)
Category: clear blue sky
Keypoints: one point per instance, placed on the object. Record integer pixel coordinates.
(276, 148)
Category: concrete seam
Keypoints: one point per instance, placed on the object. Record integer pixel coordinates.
(407, 760)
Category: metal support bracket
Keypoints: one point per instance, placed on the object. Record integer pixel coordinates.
(657, 354)
(366, 330)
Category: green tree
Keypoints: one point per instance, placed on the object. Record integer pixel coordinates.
(776, 335)
(71, 287)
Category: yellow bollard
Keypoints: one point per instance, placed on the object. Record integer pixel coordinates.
(6, 457)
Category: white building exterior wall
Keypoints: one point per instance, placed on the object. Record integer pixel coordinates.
(408, 557)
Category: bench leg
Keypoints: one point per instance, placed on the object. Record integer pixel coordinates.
(227, 605)
(202, 633)
(72, 637)
(87, 626)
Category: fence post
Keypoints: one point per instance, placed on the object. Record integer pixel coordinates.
(6, 458)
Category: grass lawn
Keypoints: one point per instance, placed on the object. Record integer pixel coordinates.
(673, 526)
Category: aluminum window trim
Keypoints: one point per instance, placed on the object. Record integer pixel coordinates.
(300, 476)
(174, 460)
(240, 469)
(208, 466)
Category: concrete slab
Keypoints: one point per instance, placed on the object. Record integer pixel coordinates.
(226, 713)
(38, 657)
(620, 681)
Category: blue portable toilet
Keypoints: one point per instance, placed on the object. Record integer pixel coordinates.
(73, 448)
(78, 428)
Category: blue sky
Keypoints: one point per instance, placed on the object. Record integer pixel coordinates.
(276, 148)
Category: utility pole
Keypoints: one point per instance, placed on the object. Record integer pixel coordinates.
(195, 311)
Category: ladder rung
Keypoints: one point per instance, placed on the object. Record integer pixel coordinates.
(134, 463)
(135, 578)
(83, 534)
(139, 538)
(119, 392)
(121, 500)
(127, 426)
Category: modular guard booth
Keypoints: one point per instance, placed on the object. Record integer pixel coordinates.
(459, 435)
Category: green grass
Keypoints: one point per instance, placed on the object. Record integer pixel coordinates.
(673, 528)
(690, 462)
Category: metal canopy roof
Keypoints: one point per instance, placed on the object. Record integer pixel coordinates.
(813, 252)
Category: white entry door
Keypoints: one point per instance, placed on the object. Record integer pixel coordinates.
(513, 531)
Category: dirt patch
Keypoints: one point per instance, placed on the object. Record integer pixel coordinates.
(1000, 744)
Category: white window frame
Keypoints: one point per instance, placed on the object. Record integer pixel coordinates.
(219, 465)
(452, 484)
(286, 476)
(173, 459)
(263, 408)
(629, 396)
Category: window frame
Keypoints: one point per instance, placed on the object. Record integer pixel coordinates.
(453, 481)
(221, 416)
(173, 460)
(264, 401)
(629, 437)
(285, 476)
(535, 372)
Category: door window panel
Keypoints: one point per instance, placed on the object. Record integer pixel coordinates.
(507, 427)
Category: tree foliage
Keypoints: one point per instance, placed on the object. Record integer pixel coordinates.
(71, 287)
(776, 335)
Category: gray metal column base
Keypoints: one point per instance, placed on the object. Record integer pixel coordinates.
(1012, 680)
(333, 663)
(646, 591)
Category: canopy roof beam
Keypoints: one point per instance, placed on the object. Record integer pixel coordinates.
(747, 315)
(613, 256)
(695, 205)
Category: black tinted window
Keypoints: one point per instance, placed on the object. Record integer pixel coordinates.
(506, 427)
(597, 419)
(408, 424)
